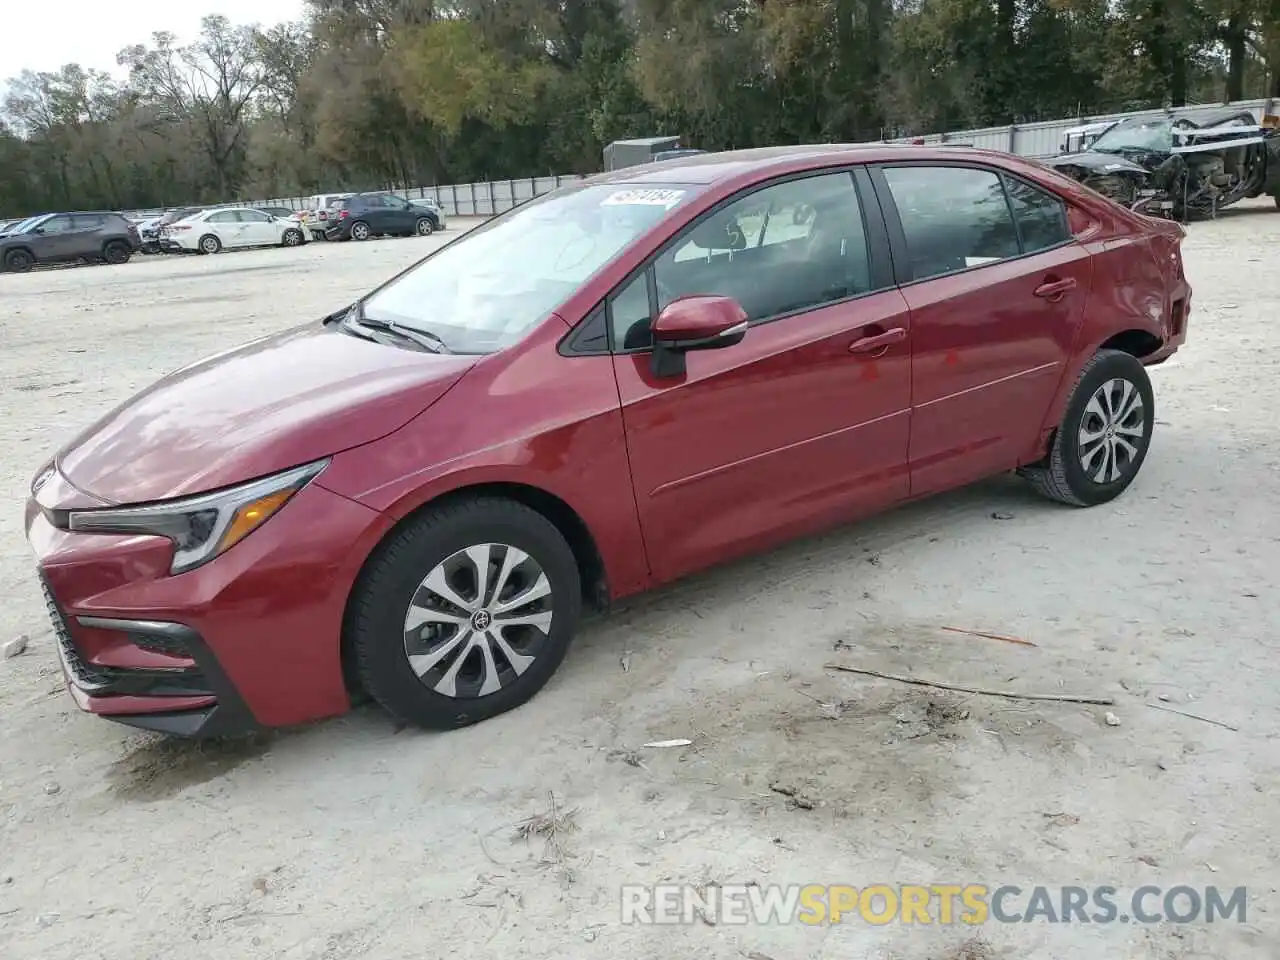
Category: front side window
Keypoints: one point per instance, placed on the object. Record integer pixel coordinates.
(792, 246)
(57, 225)
(487, 289)
(953, 218)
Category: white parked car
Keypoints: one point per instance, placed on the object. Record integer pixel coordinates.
(210, 231)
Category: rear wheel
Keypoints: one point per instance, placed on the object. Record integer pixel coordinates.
(210, 244)
(360, 230)
(1104, 436)
(18, 261)
(465, 613)
(117, 252)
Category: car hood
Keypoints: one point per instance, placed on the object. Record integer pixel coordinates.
(1097, 162)
(266, 406)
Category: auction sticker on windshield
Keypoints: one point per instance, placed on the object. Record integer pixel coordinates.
(648, 198)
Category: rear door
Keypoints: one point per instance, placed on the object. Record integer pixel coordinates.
(796, 426)
(375, 212)
(997, 290)
(226, 226)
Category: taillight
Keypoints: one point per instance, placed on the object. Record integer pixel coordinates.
(322, 215)
(343, 214)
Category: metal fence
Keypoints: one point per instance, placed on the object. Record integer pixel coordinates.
(1037, 140)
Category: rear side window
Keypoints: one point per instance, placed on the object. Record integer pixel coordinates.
(1041, 217)
(226, 216)
(953, 218)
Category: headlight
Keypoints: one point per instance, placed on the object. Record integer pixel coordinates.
(203, 526)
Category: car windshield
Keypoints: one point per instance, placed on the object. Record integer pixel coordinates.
(28, 223)
(1154, 135)
(485, 290)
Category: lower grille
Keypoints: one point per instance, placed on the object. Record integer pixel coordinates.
(85, 676)
(120, 680)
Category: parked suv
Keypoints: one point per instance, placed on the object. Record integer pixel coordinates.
(93, 236)
(365, 215)
(604, 389)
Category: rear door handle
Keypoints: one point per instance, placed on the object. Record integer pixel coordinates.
(880, 341)
(1055, 289)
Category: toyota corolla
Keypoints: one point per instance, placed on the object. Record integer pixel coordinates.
(605, 389)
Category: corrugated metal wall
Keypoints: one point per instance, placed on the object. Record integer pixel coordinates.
(1037, 140)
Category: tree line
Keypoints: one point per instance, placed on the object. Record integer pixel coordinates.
(365, 94)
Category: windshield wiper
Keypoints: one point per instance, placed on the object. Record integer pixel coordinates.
(428, 341)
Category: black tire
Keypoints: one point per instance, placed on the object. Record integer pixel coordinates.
(292, 238)
(1062, 476)
(210, 244)
(375, 625)
(424, 227)
(360, 231)
(116, 252)
(18, 261)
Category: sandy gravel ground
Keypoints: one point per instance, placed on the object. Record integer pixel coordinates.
(349, 840)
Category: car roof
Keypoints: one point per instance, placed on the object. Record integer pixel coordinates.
(759, 162)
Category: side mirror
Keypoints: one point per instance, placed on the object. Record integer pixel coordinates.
(694, 323)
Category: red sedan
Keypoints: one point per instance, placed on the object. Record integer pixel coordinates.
(607, 388)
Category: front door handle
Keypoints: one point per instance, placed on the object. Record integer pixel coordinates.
(1054, 290)
(879, 342)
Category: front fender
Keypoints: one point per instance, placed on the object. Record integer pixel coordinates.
(533, 418)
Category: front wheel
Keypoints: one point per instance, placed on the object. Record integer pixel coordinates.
(1104, 435)
(465, 613)
(292, 238)
(18, 261)
(424, 227)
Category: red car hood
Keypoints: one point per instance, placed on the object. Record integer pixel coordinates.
(266, 406)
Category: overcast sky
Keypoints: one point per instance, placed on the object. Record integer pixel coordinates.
(46, 35)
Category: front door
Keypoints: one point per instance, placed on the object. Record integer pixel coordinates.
(56, 239)
(256, 228)
(997, 287)
(800, 424)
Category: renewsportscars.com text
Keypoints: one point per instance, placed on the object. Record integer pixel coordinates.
(970, 904)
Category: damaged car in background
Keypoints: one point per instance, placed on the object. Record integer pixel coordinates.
(1177, 167)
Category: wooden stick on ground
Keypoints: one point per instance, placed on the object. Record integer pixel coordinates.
(1194, 716)
(1008, 695)
(990, 636)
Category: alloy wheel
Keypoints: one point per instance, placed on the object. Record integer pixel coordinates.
(424, 227)
(360, 231)
(478, 620)
(1112, 431)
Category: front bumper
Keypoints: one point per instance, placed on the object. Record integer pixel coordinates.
(251, 639)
